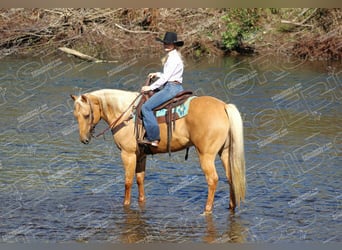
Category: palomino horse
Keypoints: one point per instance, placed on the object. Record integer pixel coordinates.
(211, 126)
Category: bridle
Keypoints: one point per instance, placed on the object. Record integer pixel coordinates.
(92, 125)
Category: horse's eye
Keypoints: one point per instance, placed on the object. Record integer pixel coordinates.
(86, 116)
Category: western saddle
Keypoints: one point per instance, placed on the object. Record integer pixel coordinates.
(169, 117)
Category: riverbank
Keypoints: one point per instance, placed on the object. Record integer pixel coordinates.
(112, 34)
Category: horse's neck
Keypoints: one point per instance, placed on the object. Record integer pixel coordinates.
(113, 103)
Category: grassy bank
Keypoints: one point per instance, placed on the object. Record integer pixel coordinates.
(113, 33)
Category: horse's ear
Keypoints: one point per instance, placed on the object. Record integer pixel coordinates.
(84, 98)
(73, 97)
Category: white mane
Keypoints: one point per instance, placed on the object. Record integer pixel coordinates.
(114, 99)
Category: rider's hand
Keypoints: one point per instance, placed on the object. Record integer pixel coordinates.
(152, 75)
(145, 89)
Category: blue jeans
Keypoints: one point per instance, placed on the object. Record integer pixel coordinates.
(169, 91)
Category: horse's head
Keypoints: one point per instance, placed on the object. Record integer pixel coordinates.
(87, 115)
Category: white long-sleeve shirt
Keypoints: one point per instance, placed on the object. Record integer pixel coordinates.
(172, 71)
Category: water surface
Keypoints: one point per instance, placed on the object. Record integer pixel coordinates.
(55, 189)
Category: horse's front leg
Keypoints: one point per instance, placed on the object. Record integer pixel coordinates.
(129, 162)
(140, 173)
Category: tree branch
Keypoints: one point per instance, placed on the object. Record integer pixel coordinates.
(135, 31)
(83, 56)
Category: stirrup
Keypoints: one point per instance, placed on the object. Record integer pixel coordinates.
(151, 143)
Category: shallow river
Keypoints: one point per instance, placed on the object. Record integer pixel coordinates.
(55, 189)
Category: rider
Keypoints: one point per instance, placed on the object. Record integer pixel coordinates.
(171, 82)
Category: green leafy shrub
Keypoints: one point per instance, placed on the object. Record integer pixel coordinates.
(240, 24)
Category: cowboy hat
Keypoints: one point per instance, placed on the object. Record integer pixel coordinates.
(170, 38)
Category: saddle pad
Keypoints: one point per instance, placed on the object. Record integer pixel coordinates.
(181, 110)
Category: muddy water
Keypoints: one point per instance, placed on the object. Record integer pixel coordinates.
(55, 189)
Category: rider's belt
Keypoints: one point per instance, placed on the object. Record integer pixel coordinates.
(176, 82)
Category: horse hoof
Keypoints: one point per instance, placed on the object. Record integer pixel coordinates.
(232, 209)
(205, 213)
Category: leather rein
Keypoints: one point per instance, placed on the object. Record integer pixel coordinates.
(114, 123)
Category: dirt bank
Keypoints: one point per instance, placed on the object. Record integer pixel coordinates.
(112, 33)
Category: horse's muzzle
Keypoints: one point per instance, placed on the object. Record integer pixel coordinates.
(85, 141)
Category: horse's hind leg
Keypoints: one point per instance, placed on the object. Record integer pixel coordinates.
(225, 162)
(207, 162)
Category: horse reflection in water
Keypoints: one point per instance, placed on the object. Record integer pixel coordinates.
(135, 229)
(211, 126)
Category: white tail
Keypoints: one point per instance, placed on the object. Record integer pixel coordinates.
(236, 153)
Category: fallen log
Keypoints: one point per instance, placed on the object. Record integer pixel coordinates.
(84, 56)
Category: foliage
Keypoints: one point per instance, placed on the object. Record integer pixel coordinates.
(241, 23)
(113, 34)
